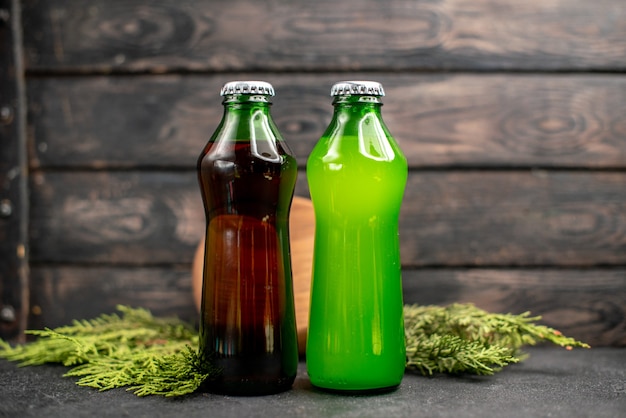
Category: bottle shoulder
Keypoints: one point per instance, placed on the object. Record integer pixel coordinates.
(245, 152)
(378, 148)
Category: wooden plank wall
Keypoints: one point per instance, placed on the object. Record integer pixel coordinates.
(512, 116)
(13, 178)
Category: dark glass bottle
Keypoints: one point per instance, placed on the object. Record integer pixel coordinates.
(247, 176)
(357, 175)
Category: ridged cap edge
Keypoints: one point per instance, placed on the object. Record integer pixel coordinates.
(247, 87)
(368, 88)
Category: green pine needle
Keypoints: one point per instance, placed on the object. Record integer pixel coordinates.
(144, 374)
(154, 356)
(150, 356)
(461, 338)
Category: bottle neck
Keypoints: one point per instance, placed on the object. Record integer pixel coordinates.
(237, 100)
(355, 105)
(247, 118)
(357, 100)
(246, 109)
(355, 116)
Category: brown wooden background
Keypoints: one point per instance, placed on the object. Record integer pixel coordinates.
(512, 116)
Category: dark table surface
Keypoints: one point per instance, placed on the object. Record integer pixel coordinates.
(552, 382)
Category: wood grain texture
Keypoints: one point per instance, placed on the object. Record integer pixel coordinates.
(105, 36)
(439, 120)
(13, 172)
(586, 304)
(492, 218)
(511, 115)
(514, 218)
(62, 294)
(118, 218)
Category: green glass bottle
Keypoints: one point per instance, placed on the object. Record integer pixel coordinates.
(247, 176)
(357, 175)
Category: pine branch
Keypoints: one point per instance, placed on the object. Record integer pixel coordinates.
(145, 374)
(153, 356)
(175, 375)
(461, 338)
(149, 355)
(452, 354)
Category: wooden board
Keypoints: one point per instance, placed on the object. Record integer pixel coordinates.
(13, 181)
(511, 115)
(586, 304)
(440, 121)
(240, 35)
(62, 294)
(510, 218)
(135, 218)
(466, 218)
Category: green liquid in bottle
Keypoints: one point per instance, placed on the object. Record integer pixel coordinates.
(357, 175)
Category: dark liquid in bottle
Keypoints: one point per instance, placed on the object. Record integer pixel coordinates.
(248, 322)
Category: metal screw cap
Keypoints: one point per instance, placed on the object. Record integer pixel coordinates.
(247, 87)
(364, 88)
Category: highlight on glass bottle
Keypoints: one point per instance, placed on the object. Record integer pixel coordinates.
(247, 176)
(357, 176)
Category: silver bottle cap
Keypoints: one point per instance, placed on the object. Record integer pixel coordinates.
(247, 87)
(366, 88)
